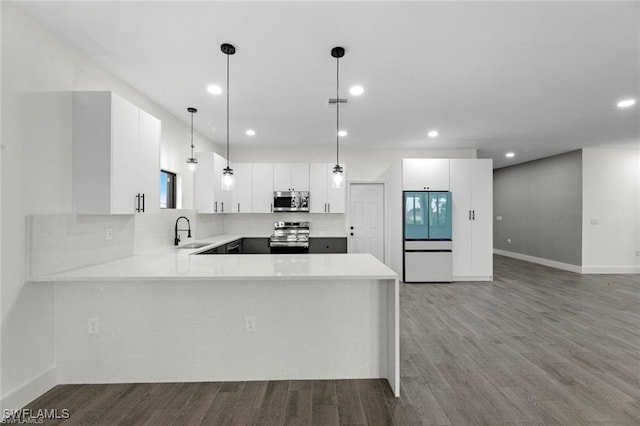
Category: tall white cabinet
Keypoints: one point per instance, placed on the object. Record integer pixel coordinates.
(471, 184)
(116, 156)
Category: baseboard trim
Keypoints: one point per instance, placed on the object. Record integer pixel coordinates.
(611, 269)
(18, 398)
(541, 261)
(471, 278)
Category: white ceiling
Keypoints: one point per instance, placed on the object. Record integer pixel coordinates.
(536, 78)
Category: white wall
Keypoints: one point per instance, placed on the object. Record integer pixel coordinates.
(611, 197)
(38, 74)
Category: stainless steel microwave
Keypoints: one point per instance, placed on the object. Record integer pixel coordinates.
(291, 201)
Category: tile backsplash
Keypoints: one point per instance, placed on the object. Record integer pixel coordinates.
(62, 242)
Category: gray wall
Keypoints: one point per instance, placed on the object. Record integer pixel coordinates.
(541, 207)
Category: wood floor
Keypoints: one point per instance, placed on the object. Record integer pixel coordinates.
(537, 346)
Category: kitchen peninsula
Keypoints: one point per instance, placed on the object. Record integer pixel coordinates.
(171, 315)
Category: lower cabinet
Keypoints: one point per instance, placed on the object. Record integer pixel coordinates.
(255, 246)
(328, 245)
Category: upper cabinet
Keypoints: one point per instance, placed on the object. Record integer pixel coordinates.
(116, 156)
(262, 187)
(323, 198)
(419, 174)
(291, 177)
(207, 180)
(241, 198)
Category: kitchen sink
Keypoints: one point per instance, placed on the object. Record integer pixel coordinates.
(192, 245)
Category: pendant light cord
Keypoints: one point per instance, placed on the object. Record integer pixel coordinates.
(337, 111)
(227, 110)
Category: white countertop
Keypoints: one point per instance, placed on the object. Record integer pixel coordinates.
(184, 264)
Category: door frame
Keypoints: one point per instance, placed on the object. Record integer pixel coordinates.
(385, 216)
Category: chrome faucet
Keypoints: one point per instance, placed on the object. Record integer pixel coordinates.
(176, 239)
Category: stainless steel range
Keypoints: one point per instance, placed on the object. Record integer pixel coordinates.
(290, 237)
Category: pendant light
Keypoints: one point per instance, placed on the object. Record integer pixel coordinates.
(338, 175)
(192, 161)
(227, 173)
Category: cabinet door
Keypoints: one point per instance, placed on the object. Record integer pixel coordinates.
(149, 161)
(262, 187)
(300, 176)
(336, 197)
(414, 174)
(461, 176)
(241, 195)
(482, 218)
(437, 174)
(318, 184)
(203, 181)
(282, 177)
(124, 155)
(221, 198)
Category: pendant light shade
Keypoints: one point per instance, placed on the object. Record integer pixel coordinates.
(192, 161)
(338, 174)
(227, 173)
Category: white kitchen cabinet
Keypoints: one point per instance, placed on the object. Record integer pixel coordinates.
(207, 180)
(291, 176)
(241, 196)
(472, 199)
(262, 188)
(323, 197)
(419, 174)
(116, 156)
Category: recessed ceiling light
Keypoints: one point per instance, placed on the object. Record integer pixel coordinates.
(626, 103)
(342, 133)
(356, 90)
(250, 132)
(432, 133)
(214, 89)
(510, 155)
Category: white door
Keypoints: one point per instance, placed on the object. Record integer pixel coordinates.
(366, 216)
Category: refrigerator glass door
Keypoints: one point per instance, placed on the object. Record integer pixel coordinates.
(415, 216)
(439, 208)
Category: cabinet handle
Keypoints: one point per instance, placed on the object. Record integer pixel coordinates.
(469, 214)
(142, 196)
(222, 207)
(238, 207)
(474, 215)
(271, 207)
(137, 207)
(351, 233)
(215, 207)
(328, 207)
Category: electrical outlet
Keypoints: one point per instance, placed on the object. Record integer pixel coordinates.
(509, 241)
(108, 234)
(593, 221)
(94, 326)
(498, 217)
(250, 323)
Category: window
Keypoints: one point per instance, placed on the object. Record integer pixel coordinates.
(167, 190)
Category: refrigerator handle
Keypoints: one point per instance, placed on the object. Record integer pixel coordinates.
(474, 215)
(469, 214)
